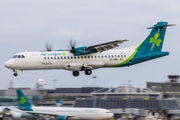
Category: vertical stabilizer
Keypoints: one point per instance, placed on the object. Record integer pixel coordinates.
(154, 41)
(23, 101)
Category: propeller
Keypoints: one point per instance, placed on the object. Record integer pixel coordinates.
(72, 44)
(48, 46)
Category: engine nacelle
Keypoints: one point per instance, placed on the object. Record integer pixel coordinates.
(63, 118)
(84, 50)
(74, 66)
(16, 115)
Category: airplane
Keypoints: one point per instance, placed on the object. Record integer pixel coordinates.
(88, 58)
(62, 113)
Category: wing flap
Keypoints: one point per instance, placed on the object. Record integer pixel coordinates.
(107, 46)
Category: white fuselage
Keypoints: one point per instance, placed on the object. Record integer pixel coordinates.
(61, 60)
(76, 113)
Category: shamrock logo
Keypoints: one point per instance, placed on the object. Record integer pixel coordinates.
(23, 100)
(63, 53)
(155, 40)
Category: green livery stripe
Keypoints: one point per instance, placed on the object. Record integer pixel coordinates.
(129, 57)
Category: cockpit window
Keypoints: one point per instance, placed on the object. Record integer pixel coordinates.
(18, 56)
(15, 56)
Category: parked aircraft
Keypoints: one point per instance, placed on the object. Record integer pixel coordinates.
(63, 113)
(87, 58)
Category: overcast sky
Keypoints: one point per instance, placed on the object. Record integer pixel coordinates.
(29, 25)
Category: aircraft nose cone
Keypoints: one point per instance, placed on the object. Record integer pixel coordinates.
(8, 64)
(111, 115)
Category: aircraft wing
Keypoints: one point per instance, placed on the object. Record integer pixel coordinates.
(46, 114)
(107, 46)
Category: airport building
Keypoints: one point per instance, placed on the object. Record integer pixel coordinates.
(131, 100)
(46, 97)
(121, 100)
(170, 89)
(9, 97)
(66, 95)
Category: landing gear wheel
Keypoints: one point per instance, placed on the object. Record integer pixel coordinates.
(75, 73)
(88, 72)
(15, 74)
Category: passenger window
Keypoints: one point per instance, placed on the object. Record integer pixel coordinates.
(124, 55)
(64, 57)
(85, 57)
(91, 56)
(102, 56)
(88, 56)
(61, 57)
(81, 57)
(23, 56)
(118, 56)
(57, 57)
(71, 57)
(112, 56)
(98, 56)
(74, 57)
(54, 57)
(19, 56)
(78, 57)
(95, 56)
(109, 56)
(68, 57)
(51, 57)
(121, 55)
(115, 56)
(105, 56)
(45, 58)
(48, 57)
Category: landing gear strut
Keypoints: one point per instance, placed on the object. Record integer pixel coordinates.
(75, 73)
(88, 72)
(15, 74)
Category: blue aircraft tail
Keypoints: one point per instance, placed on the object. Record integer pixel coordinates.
(154, 41)
(58, 103)
(23, 101)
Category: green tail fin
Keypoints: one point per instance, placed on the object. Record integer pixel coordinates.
(23, 101)
(154, 41)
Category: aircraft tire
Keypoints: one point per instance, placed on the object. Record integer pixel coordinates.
(75, 73)
(15, 74)
(88, 72)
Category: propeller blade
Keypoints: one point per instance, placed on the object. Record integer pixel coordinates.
(48, 46)
(72, 44)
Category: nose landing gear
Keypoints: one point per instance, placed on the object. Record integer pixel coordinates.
(15, 74)
(75, 73)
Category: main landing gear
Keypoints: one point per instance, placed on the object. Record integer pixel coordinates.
(87, 72)
(15, 74)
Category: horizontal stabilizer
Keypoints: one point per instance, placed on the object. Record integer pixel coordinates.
(162, 26)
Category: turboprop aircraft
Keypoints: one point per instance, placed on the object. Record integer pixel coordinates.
(62, 113)
(88, 58)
